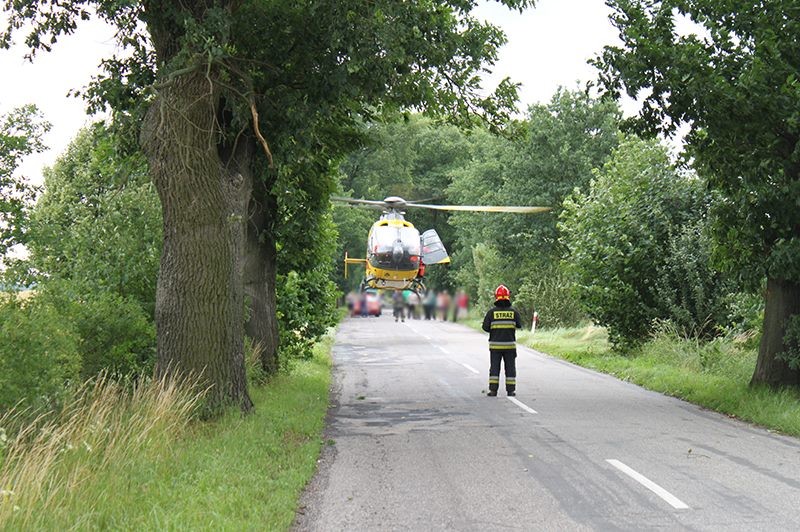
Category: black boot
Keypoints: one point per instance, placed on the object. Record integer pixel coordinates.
(492, 393)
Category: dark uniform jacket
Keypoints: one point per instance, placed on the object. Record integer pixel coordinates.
(501, 323)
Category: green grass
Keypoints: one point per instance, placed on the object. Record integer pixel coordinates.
(235, 473)
(714, 375)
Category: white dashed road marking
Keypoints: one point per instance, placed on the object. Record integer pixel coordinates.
(473, 370)
(522, 405)
(671, 499)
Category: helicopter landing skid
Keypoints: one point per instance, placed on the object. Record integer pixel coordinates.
(416, 285)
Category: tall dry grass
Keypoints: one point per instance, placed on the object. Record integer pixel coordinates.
(61, 461)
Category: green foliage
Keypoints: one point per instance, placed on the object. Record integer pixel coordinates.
(712, 374)
(745, 315)
(638, 248)
(736, 85)
(39, 353)
(94, 247)
(98, 222)
(60, 336)
(489, 273)
(791, 353)
(117, 336)
(140, 461)
(306, 309)
(552, 152)
(306, 294)
(550, 292)
(21, 133)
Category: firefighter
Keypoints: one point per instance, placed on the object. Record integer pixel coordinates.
(501, 323)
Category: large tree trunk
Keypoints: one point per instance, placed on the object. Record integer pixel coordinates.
(260, 277)
(199, 299)
(782, 301)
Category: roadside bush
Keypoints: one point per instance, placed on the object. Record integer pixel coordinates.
(116, 334)
(692, 295)
(745, 316)
(552, 294)
(39, 353)
(306, 308)
(638, 249)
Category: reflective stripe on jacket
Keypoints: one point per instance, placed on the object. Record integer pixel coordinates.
(501, 323)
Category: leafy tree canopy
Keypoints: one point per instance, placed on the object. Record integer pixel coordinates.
(736, 86)
(553, 152)
(21, 133)
(556, 149)
(98, 221)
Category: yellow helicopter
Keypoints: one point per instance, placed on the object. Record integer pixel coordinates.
(397, 254)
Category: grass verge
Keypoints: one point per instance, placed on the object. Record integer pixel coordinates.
(714, 374)
(166, 472)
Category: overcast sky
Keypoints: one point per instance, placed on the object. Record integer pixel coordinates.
(548, 47)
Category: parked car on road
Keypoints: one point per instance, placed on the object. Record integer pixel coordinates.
(374, 305)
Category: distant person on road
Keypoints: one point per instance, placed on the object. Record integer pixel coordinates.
(413, 305)
(398, 306)
(443, 304)
(350, 299)
(461, 306)
(501, 322)
(429, 304)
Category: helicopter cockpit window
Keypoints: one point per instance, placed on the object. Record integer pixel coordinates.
(394, 247)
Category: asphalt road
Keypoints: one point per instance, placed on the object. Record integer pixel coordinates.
(414, 444)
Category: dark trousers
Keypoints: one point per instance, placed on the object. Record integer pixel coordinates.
(509, 360)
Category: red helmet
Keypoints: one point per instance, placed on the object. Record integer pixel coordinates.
(502, 292)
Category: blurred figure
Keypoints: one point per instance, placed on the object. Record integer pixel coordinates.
(443, 304)
(429, 304)
(413, 305)
(461, 307)
(364, 311)
(398, 306)
(350, 299)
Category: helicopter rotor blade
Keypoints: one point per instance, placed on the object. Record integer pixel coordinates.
(520, 209)
(353, 201)
(394, 202)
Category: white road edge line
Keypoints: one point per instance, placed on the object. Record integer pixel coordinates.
(671, 499)
(522, 405)
(473, 370)
(443, 350)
